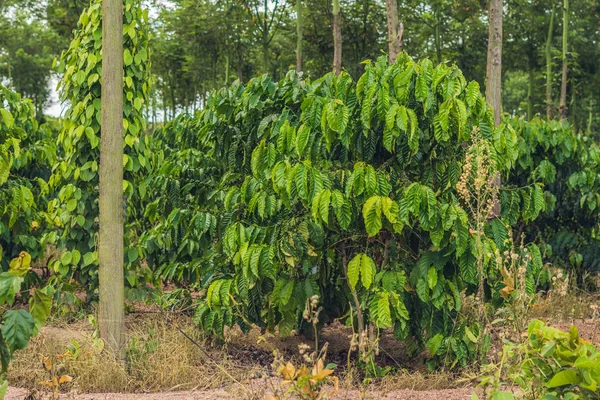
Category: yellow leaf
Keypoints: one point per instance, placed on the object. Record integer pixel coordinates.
(322, 375)
(288, 372)
(47, 383)
(47, 363)
(65, 379)
(20, 265)
(318, 367)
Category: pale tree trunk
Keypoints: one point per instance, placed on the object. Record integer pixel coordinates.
(299, 35)
(110, 240)
(493, 84)
(562, 106)
(590, 116)
(337, 38)
(549, 66)
(394, 30)
(438, 34)
(530, 88)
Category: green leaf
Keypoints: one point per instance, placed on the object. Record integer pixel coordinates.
(66, 258)
(71, 205)
(503, 396)
(367, 270)
(324, 202)
(9, 285)
(390, 209)
(127, 58)
(132, 254)
(432, 277)
(3, 389)
(39, 306)
(384, 315)
(7, 117)
(17, 328)
(354, 271)
(372, 215)
(89, 258)
(565, 377)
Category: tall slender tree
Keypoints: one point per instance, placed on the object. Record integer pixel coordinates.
(493, 83)
(562, 105)
(549, 65)
(337, 38)
(298, 35)
(394, 30)
(267, 19)
(110, 240)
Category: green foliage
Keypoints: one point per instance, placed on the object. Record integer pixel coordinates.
(553, 364)
(75, 176)
(27, 154)
(279, 173)
(566, 166)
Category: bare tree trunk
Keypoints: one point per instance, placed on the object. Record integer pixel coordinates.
(493, 86)
(110, 240)
(549, 66)
(590, 116)
(562, 107)
(530, 88)
(226, 70)
(299, 35)
(437, 34)
(337, 38)
(394, 30)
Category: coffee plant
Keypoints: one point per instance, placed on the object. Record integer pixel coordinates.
(75, 176)
(342, 189)
(26, 153)
(568, 165)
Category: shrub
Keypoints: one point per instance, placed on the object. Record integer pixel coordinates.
(552, 364)
(343, 190)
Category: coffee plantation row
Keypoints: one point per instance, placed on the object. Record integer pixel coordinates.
(392, 198)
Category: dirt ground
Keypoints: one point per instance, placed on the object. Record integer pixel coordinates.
(220, 394)
(171, 360)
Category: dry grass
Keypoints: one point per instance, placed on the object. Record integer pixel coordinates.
(565, 308)
(414, 380)
(159, 358)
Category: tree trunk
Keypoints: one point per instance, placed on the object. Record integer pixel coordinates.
(549, 66)
(574, 108)
(394, 30)
(563, 83)
(110, 240)
(172, 90)
(437, 34)
(493, 86)
(299, 35)
(530, 88)
(265, 49)
(337, 38)
(164, 104)
(590, 117)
